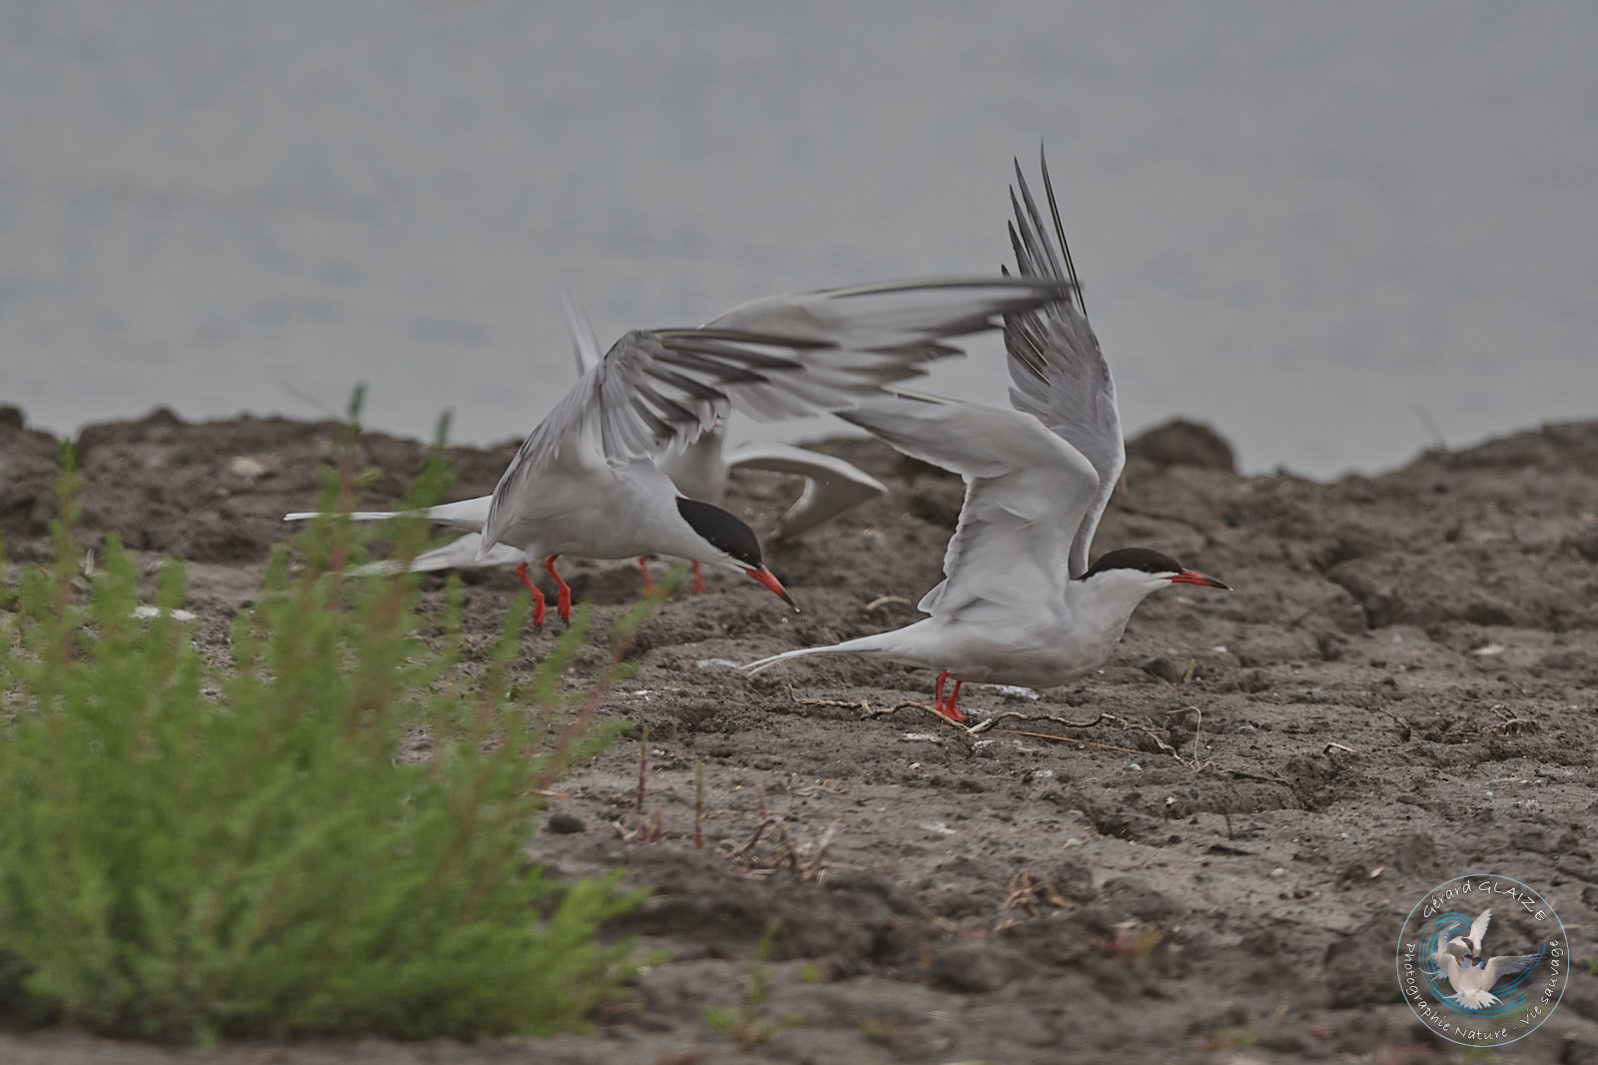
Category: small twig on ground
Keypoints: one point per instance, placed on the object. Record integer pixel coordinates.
(1509, 722)
(784, 853)
(647, 830)
(1197, 765)
(748, 845)
(1405, 729)
(884, 600)
(1080, 744)
(842, 704)
(1333, 745)
(1054, 719)
(1030, 893)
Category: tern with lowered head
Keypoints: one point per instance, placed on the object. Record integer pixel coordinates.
(701, 467)
(1019, 602)
(587, 480)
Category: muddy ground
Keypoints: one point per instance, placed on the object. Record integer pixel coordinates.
(1402, 688)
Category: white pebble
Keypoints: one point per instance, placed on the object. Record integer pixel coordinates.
(248, 468)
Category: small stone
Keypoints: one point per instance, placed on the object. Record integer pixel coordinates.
(1166, 668)
(564, 823)
(250, 469)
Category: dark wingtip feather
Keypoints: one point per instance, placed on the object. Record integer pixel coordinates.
(1059, 230)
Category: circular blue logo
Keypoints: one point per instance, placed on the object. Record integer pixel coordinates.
(1483, 960)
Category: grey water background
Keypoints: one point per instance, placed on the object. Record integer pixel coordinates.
(1338, 232)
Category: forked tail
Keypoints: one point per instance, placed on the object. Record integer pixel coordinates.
(864, 645)
(462, 514)
(1476, 1000)
(359, 515)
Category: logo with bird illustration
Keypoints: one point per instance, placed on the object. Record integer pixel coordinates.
(1467, 990)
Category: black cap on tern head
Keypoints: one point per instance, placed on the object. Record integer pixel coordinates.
(1142, 560)
(1138, 558)
(721, 530)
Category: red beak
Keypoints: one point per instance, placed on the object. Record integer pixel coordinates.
(1190, 576)
(765, 576)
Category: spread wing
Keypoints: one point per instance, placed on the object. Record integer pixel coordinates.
(1057, 372)
(1507, 965)
(1026, 492)
(832, 485)
(780, 357)
(1478, 929)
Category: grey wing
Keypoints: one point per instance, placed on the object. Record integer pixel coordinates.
(585, 346)
(785, 356)
(1026, 491)
(1057, 372)
(1507, 965)
(906, 316)
(832, 486)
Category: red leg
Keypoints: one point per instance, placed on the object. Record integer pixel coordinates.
(699, 578)
(643, 567)
(538, 596)
(563, 601)
(948, 708)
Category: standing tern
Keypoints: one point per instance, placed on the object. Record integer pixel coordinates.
(586, 481)
(701, 468)
(1019, 603)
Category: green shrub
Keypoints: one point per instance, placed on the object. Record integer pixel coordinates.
(323, 837)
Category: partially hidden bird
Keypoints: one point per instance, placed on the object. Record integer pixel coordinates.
(1020, 603)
